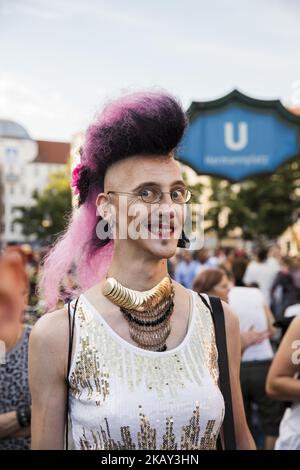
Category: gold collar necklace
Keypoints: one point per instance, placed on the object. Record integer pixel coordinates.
(148, 312)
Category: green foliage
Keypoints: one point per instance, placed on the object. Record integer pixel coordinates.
(263, 206)
(47, 215)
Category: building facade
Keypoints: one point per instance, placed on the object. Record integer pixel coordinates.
(25, 166)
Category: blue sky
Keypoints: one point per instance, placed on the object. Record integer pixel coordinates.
(61, 59)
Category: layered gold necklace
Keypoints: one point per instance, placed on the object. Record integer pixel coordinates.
(148, 313)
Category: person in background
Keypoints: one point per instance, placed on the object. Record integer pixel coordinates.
(186, 269)
(218, 256)
(15, 411)
(274, 257)
(227, 263)
(289, 314)
(256, 327)
(214, 281)
(213, 260)
(253, 312)
(205, 259)
(284, 291)
(261, 273)
(238, 270)
(294, 309)
(283, 384)
(295, 271)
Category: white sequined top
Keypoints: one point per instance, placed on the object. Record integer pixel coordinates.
(125, 397)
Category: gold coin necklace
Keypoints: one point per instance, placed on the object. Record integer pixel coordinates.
(148, 312)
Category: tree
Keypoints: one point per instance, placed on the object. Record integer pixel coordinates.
(47, 215)
(263, 206)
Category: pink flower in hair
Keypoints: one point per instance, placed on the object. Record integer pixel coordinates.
(75, 176)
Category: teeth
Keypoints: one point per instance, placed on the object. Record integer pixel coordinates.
(161, 231)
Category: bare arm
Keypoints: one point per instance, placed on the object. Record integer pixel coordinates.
(244, 438)
(9, 426)
(281, 383)
(252, 336)
(48, 348)
(270, 319)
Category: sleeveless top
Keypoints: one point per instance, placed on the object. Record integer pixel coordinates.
(289, 430)
(123, 397)
(14, 387)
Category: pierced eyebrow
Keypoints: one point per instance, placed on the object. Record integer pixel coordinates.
(153, 183)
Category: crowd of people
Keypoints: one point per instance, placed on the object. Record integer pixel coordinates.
(263, 289)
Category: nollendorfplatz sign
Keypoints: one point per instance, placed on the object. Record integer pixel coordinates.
(237, 136)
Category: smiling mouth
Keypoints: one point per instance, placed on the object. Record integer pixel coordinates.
(161, 230)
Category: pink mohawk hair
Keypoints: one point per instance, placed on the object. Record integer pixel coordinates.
(140, 123)
(72, 248)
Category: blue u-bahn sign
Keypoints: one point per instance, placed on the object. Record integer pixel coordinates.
(237, 136)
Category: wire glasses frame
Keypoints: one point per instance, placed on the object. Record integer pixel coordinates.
(157, 196)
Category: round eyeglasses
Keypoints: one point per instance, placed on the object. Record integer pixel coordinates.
(152, 196)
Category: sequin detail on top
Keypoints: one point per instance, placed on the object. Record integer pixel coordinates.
(147, 436)
(135, 369)
(89, 375)
(110, 376)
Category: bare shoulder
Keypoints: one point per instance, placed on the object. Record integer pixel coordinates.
(180, 289)
(233, 335)
(51, 327)
(49, 336)
(232, 323)
(182, 293)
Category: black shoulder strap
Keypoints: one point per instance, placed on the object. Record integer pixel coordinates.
(217, 313)
(71, 336)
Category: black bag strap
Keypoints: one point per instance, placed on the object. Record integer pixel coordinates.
(71, 336)
(217, 313)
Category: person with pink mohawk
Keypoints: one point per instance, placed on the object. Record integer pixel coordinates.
(132, 360)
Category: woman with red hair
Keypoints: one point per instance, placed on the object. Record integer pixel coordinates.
(15, 411)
